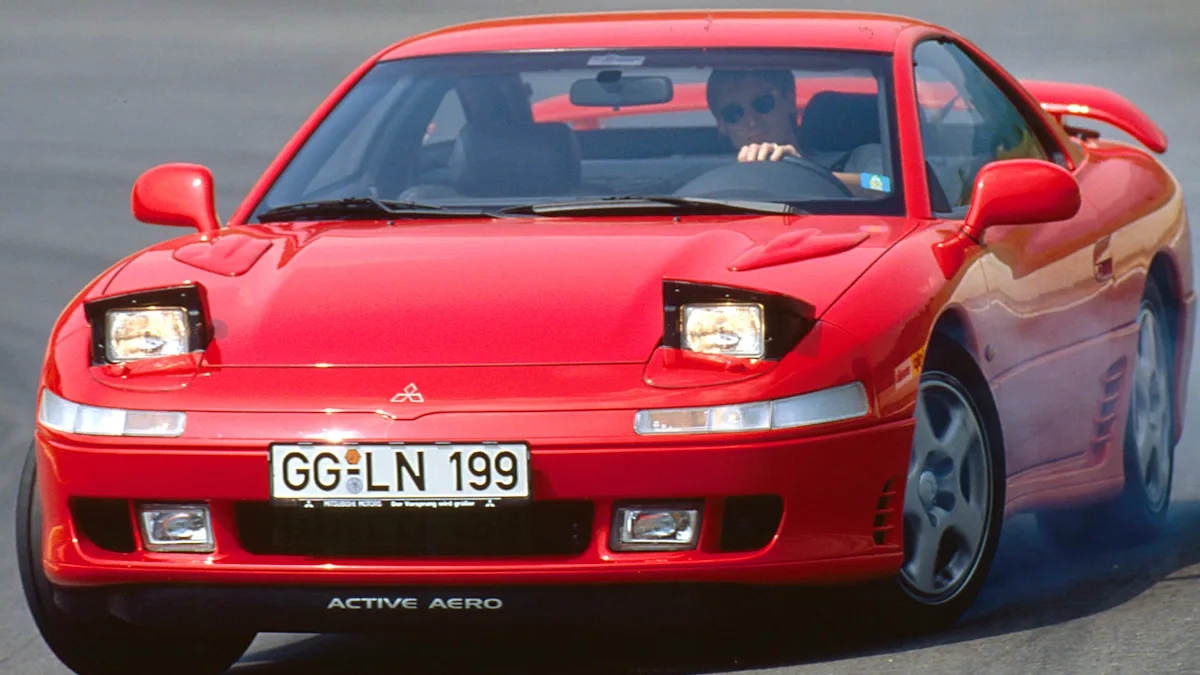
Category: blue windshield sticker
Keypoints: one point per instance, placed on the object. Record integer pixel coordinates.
(873, 181)
(617, 60)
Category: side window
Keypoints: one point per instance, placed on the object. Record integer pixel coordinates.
(966, 122)
(447, 121)
(437, 143)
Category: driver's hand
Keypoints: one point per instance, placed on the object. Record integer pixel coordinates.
(766, 152)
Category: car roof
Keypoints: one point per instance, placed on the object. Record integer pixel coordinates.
(858, 31)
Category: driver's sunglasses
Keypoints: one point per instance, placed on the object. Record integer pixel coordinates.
(762, 104)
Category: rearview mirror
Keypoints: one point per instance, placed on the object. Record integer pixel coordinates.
(176, 194)
(610, 89)
(1020, 192)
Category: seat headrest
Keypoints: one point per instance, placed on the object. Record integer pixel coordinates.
(524, 159)
(838, 122)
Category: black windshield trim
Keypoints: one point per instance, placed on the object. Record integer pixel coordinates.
(368, 208)
(626, 203)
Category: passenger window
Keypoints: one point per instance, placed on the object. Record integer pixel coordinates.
(966, 122)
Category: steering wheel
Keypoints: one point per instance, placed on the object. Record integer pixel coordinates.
(789, 179)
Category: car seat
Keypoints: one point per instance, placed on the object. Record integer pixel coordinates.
(509, 159)
(836, 126)
(515, 159)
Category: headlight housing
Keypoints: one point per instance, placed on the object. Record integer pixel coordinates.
(819, 407)
(56, 412)
(148, 324)
(727, 321)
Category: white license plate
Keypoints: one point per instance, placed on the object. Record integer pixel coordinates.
(434, 474)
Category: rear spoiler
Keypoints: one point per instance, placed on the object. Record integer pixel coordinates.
(1102, 105)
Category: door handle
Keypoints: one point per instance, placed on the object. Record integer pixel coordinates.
(1102, 261)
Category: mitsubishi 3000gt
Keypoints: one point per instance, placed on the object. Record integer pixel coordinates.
(536, 320)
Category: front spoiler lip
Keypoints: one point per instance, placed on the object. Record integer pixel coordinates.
(291, 609)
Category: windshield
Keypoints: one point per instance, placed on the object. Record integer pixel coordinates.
(813, 129)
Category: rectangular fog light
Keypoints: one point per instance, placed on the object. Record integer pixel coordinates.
(655, 528)
(176, 528)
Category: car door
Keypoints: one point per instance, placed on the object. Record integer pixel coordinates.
(1045, 330)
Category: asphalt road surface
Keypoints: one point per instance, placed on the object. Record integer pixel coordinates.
(92, 94)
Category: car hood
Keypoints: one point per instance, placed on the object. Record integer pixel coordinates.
(504, 292)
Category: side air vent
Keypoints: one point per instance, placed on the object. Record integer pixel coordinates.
(1112, 385)
(887, 510)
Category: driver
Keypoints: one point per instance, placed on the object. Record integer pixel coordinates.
(756, 110)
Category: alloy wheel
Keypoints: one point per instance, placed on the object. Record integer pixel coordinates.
(948, 497)
(1150, 416)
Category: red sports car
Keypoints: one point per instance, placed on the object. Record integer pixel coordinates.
(540, 318)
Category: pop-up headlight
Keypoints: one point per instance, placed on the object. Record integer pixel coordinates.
(147, 324)
(727, 321)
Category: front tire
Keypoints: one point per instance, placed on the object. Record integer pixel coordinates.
(954, 498)
(105, 646)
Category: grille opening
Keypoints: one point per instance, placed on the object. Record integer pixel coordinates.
(104, 522)
(537, 528)
(750, 522)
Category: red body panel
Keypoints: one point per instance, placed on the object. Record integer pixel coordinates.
(1062, 321)
(548, 331)
(757, 28)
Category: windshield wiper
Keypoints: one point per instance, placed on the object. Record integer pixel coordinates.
(690, 205)
(365, 208)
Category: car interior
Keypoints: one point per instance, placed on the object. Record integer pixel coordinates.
(497, 156)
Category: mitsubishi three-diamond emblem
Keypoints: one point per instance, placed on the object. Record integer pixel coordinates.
(410, 395)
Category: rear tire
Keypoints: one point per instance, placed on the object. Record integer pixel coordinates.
(1139, 514)
(105, 646)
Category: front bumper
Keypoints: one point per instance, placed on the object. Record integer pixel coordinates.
(841, 492)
